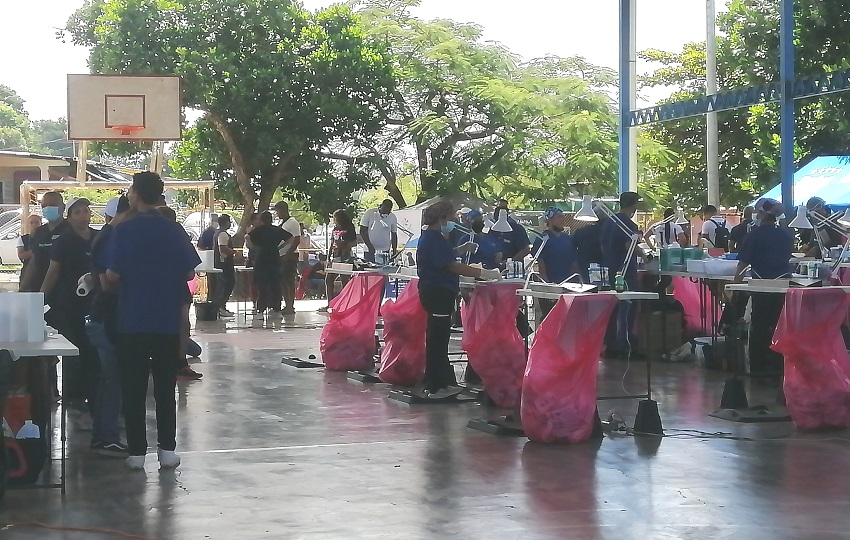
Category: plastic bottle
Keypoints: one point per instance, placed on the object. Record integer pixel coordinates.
(509, 264)
(28, 431)
(619, 283)
(813, 270)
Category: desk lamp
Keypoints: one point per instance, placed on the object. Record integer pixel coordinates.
(502, 224)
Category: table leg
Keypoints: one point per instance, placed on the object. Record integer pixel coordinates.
(62, 432)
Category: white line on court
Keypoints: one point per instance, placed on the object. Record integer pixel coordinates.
(297, 447)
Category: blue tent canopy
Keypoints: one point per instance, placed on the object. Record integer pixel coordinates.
(827, 177)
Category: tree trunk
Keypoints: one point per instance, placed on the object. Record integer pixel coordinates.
(426, 177)
(243, 180)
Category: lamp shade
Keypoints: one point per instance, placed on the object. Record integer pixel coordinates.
(845, 219)
(682, 220)
(502, 224)
(801, 221)
(586, 212)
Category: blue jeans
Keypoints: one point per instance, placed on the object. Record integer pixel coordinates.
(107, 401)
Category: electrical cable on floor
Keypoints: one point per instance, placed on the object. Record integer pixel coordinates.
(96, 530)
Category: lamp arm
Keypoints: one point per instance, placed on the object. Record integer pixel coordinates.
(530, 265)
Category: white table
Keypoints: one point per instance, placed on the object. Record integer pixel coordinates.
(764, 288)
(625, 296)
(56, 345)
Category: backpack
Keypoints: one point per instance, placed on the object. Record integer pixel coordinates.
(721, 235)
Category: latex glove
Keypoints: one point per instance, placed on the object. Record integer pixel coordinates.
(469, 247)
(490, 274)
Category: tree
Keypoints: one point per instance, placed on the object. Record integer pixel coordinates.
(51, 137)
(14, 124)
(279, 85)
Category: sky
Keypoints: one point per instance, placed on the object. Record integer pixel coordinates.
(34, 63)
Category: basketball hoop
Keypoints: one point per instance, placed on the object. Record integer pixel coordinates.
(127, 130)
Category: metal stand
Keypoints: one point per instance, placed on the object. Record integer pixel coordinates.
(298, 361)
(366, 376)
(417, 397)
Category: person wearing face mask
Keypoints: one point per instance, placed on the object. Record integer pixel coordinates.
(829, 238)
(439, 285)
(767, 251)
(514, 244)
(487, 253)
(379, 230)
(558, 259)
(70, 261)
(41, 240)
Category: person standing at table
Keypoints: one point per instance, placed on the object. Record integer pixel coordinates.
(620, 339)
(439, 284)
(343, 240)
(715, 230)
(151, 259)
(767, 251)
(557, 256)
(741, 230)
(829, 238)
(24, 248)
(224, 254)
(667, 234)
(70, 261)
(588, 242)
(379, 230)
(266, 241)
(288, 256)
(514, 244)
(487, 253)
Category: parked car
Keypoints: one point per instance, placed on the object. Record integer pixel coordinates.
(9, 246)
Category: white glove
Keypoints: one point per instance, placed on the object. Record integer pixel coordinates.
(469, 247)
(489, 274)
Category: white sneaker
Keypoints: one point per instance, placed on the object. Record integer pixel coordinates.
(135, 462)
(168, 459)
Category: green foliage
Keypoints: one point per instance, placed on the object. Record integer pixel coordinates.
(14, 124)
(51, 137)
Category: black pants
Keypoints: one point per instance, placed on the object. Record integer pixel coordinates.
(267, 279)
(5, 383)
(80, 372)
(224, 288)
(140, 355)
(767, 308)
(439, 304)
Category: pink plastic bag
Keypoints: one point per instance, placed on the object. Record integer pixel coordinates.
(492, 342)
(817, 366)
(193, 285)
(405, 322)
(687, 293)
(348, 339)
(559, 387)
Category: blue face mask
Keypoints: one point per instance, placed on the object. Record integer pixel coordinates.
(448, 227)
(50, 213)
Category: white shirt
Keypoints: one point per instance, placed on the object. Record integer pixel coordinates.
(662, 240)
(709, 229)
(291, 226)
(223, 239)
(380, 227)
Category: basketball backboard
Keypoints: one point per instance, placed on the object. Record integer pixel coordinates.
(124, 108)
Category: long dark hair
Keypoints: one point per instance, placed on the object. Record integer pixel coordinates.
(666, 239)
(342, 218)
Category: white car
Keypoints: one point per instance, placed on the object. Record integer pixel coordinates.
(9, 245)
(194, 227)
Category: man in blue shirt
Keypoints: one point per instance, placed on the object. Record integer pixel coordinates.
(767, 250)
(620, 339)
(151, 259)
(515, 244)
(557, 260)
(488, 254)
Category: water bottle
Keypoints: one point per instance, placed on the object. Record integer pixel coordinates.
(28, 431)
(509, 265)
(813, 270)
(619, 283)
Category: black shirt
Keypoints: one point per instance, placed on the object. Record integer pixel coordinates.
(41, 245)
(342, 235)
(588, 243)
(73, 252)
(266, 239)
(739, 232)
(225, 262)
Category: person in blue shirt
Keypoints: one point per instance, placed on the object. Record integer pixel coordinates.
(557, 260)
(515, 244)
(766, 250)
(620, 339)
(487, 254)
(439, 285)
(150, 258)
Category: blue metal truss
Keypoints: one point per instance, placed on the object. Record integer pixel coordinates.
(802, 87)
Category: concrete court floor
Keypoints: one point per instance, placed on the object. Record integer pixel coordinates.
(270, 451)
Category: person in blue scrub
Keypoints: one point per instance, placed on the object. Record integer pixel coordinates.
(558, 259)
(439, 285)
(766, 251)
(487, 254)
(515, 244)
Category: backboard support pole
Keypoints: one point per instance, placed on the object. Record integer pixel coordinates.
(82, 161)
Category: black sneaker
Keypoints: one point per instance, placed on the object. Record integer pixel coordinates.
(94, 445)
(115, 449)
(188, 373)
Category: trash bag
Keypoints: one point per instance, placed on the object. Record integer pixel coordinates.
(405, 322)
(559, 387)
(817, 366)
(494, 346)
(348, 339)
(687, 293)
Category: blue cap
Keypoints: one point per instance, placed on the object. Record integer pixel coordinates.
(551, 212)
(473, 214)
